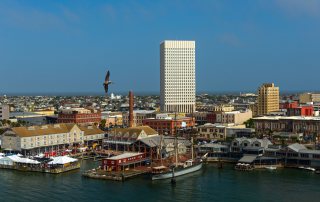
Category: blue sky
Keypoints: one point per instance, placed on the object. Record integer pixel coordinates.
(67, 46)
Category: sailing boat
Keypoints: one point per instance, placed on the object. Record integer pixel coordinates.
(177, 169)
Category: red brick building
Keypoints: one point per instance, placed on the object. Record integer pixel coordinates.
(212, 117)
(163, 126)
(288, 105)
(79, 116)
(124, 161)
(301, 111)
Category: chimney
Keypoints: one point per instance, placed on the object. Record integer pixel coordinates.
(130, 109)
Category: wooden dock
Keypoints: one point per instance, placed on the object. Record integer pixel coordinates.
(115, 176)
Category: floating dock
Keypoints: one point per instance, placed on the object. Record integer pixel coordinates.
(115, 176)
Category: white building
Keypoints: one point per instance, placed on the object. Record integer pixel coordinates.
(177, 76)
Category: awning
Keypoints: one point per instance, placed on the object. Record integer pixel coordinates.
(248, 159)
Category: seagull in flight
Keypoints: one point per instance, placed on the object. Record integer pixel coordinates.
(107, 82)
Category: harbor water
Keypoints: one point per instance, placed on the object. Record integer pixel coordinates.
(209, 184)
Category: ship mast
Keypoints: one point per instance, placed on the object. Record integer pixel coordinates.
(192, 151)
(176, 138)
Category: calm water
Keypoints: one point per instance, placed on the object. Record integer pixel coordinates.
(210, 184)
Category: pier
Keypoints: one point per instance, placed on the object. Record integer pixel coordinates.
(116, 175)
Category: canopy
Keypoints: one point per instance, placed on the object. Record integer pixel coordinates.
(18, 159)
(62, 160)
(248, 159)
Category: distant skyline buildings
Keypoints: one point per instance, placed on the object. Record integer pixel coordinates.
(177, 76)
(268, 99)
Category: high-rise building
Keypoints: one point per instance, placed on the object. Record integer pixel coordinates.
(177, 76)
(268, 99)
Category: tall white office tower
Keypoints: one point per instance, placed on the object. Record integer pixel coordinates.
(177, 76)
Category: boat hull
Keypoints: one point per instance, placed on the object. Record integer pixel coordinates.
(177, 173)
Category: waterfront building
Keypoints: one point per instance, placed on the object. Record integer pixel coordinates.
(41, 139)
(151, 146)
(79, 116)
(169, 125)
(309, 97)
(125, 161)
(121, 139)
(92, 136)
(4, 112)
(268, 99)
(138, 117)
(177, 76)
(221, 132)
(296, 155)
(250, 145)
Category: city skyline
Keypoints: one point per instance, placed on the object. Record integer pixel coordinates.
(64, 47)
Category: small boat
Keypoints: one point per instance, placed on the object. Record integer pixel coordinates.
(270, 167)
(244, 167)
(307, 168)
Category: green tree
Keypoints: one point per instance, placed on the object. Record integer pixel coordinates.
(102, 124)
(249, 123)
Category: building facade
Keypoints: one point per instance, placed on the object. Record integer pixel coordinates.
(79, 116)
(41, 139)
(138, 117)
(234, 117)
(4, 112)
(268, 99)
(309, 126)
(309, 97)
(300, 111)
(177, 76)
(169, 126)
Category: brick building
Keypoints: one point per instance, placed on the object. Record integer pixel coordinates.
(169, 125)
(79, 116)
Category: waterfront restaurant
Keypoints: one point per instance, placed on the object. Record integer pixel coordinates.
(296, 155)
(125, 161)
(121, 139)
(34, 140)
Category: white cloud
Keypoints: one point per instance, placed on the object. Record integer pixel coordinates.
(309, 8)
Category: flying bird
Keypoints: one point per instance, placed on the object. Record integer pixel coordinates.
(107, 82)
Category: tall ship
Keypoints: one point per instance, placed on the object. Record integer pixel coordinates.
(178, 168)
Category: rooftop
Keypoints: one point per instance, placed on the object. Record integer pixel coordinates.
(124, 155)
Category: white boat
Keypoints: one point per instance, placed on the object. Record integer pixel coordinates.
(307, 168)
(187, 168)
(271, 168)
